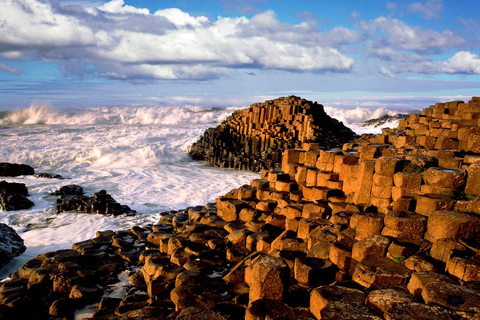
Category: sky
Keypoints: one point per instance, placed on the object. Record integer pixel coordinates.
(371, 53)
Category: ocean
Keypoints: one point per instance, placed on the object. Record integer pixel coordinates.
(137, 154)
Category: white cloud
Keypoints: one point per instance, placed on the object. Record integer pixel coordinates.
(8, 69)
(400, 35)
(118, 6)
(13, 55)
(180, 18)
(428, 10)
(121, 41)
(390, 54)
(462, 62)
(387, 73)
(30, 23)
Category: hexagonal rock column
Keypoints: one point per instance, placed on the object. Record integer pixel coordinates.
(267, 277)
(366, 224)
(473, 181)
(402, 224)
(371, 247)
(339, 303)
(380, 272)
(441, 179)
(437, 289)
(429, 203)
(450, 224)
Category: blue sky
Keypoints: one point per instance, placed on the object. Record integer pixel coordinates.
(397, 54)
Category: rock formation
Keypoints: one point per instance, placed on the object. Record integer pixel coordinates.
(11, 245)
(387, 228)
(254, 138)
(13, 169)
(72, 199)
(13, 196)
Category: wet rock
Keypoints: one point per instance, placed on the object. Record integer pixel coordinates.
(14, 169)
(47, 175)
(72, 199)
(11, 245)
(13, 196)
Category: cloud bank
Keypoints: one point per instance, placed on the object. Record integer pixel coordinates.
(119, 41)
(124, 42)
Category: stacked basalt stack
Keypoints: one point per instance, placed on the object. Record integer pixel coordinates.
(254, 138)
(371, 231)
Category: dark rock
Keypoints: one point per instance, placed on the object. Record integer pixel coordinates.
(14, 169)
(63, 307)
(47, 175)
(71, 189)
(13, 196)
(11, 245)
(72, 199)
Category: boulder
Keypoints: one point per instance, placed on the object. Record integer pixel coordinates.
(14, 169)
(72, 199)
(13, 196)
(11, 245)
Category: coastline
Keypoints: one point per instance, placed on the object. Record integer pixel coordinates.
(276, 246)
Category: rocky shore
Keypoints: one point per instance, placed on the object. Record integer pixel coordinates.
(254, 138)
(384, 227)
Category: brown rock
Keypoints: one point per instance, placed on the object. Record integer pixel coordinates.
(436, 289)
(429, 203)
(403, 224)
(473, 182)
(387, 166)
(366, 224)
(323, 297)
(341, 253)
(382, 300)
(417, 311)
(473, 141)
(228, 209)
(87, 292)
(420, 263)
(267, 277)
(314, 272)
(269, 309)
(364, 182)
(445, 178)
(370, 247)
(452, 224)
(380, 272)
(466, 268)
